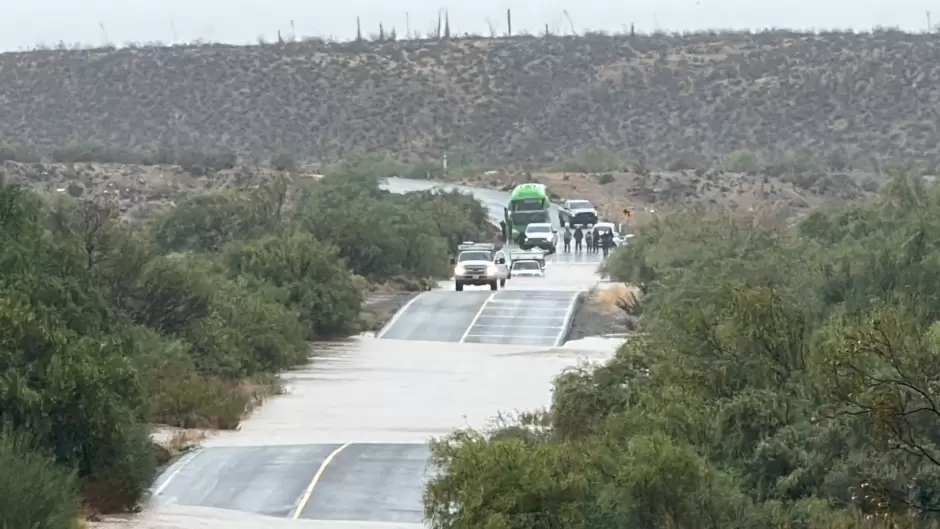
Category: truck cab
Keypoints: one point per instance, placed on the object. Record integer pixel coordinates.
(480, 264)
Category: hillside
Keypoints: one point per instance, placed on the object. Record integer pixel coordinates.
(833, 100)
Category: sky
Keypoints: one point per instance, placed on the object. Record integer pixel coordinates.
(96, 22)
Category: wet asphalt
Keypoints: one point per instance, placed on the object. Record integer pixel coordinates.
(347, 444)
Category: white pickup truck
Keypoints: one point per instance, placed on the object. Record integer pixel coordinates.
(480, 264)
(577, 212)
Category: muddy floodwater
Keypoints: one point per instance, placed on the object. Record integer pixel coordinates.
(346, 446)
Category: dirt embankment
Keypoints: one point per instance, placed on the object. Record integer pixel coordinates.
(610, 309)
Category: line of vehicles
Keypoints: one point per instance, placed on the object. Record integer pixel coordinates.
(527, 218)
(527, 223)
(480, 264)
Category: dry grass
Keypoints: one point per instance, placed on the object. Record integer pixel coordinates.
(616, 298)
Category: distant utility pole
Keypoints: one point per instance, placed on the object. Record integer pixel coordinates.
(929, 27)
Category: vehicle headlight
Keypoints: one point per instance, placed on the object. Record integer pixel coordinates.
(491, 270)
(459, 270)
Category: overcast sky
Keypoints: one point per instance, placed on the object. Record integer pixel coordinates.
(27, 23)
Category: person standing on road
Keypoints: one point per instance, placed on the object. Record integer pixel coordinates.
(578, 237)
(597, 241)
(589, 240)
(607, 241)
(567, 237)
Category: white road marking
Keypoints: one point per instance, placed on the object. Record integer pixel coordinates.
(560, 317)
(179, 468)
(397, 315)
(529, 312)
(475, 318)
(316, 477)
(528, 301)
(546, 327)
(522, 336)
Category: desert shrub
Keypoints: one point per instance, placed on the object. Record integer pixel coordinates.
(744, 162)
(15, 152)
(106, 327)
(35, 491)
(304, 275)
(207, 222)
(381, 235)
(780, 377)
(593, 160)
(283, 161)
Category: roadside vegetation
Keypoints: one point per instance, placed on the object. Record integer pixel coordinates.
(107, 327)
(780, 378)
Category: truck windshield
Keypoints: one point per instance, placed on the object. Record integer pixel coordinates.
(525, 265)
(528, 204)
(473, 256)
(580, 204)
(538, 229)
(530, 217)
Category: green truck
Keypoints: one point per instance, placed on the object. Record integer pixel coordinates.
(528, 204)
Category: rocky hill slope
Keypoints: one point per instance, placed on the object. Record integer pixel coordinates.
(839, 99)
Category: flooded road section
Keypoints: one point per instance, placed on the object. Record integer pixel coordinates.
(347, 445)
(349, 439)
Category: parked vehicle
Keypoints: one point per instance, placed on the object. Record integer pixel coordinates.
(577, 212)
(528, 204)
(540, 235)
(480, 264)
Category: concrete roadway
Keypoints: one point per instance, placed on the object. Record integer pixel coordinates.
(511, 317)
(347, 443)
(362, 482)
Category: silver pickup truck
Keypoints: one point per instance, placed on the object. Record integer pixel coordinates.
(577, 213)
(480, 264)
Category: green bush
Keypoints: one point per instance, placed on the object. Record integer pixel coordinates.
(106, 327)
(780, 377)
(305, 276)
(35, 492)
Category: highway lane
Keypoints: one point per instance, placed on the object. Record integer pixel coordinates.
(435, 316)
(508, 317)
(520, 317)
(266, 480)
(370, 482)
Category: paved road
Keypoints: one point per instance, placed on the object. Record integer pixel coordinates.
(361, 482)
(510, 317)
(523, 318)
(436, 316)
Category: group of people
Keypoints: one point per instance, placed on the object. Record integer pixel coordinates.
(593, 240)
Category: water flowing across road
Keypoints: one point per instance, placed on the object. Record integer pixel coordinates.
(346, 447)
